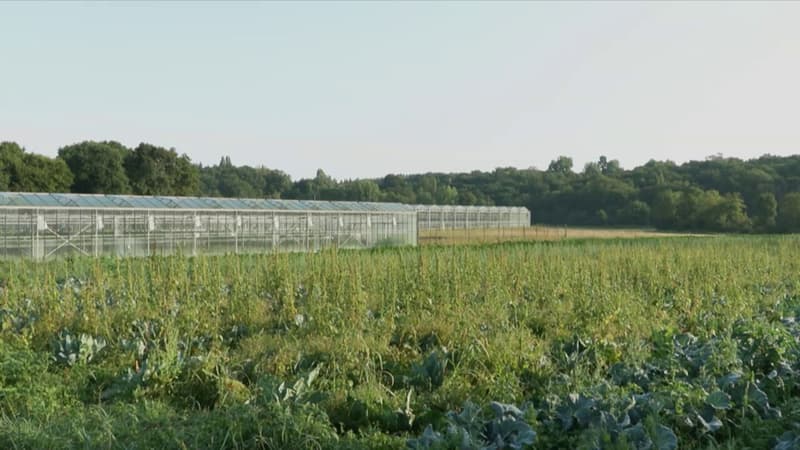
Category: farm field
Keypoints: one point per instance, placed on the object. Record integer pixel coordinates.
(591, 344)
(534, 233)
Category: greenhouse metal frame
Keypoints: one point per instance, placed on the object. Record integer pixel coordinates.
(446, 217)
(44, 226)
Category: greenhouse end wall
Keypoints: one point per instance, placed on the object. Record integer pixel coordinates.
(45, 233)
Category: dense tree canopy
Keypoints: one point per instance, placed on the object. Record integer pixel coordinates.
(717, 194)
(789, 212)
(97, 167)
(155, 170)
(28, 172)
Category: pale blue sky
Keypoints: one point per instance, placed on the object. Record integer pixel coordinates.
(363, 89)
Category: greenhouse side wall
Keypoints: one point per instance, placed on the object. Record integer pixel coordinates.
(43, 234)
(437, 217)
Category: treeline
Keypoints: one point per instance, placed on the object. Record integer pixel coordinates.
(717, 194)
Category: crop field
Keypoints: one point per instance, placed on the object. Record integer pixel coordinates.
(534, 233)
(648, 343)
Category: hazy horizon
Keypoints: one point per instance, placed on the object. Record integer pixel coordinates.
(366, 89)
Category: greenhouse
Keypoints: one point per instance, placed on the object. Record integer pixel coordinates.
(44, 226)
(445, 217)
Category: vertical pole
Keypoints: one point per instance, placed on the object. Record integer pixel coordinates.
(236, 222)
(524, 230)
(195, 232)
(483, 224)
(454, 225)
(96, 233)
(275, 226)
(149, 226)
(466, 222)
(308, 232)
(368, 241)
(429, 220)
(35, 246)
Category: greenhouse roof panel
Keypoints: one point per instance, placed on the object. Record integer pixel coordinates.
(208, 203)
(311, 205)
(99, 201)
(390, 206)
(43, 200)
(136, 202)
(105, 201)
(120, 202)
(231, 203)
(88, 200)
(450, 208)
(6, 200)
(188, 202)
(36, 200)
(339, 206)
(274, 204)
(153, 202)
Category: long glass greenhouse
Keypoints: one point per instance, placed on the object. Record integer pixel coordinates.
(445, 217)
(44, 226)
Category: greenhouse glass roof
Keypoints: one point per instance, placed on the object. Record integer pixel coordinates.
(100, 201)
(467, 208)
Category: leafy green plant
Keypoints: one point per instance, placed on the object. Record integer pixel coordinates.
(69, 349)
(505, 428)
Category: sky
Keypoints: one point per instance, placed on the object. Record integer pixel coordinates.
(363, 89)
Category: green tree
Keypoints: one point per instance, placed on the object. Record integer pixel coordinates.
(10, 164)
(610, 168)
(765, 211)
(361, 191)
(43, 174)
(789, 212)
(689, 208)
(157, 171)
(601, 217)
(446, 195)
(727, 214)
(396, 189)
(561, 165)
(28, 172)
(664, 210)
(591, 169)
(635, 213)
(237, 182)
(228, 180)
(321, 187)
(97, 167)
(274, 183)
(231, 182)
(324, 186)
(434, 189)
(467, 198)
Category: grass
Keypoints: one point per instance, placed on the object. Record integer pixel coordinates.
(366, 349)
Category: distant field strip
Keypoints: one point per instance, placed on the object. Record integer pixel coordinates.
(534, 233)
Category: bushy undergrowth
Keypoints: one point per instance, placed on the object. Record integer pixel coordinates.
(645, 344)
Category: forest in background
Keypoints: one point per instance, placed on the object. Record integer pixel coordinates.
(717, 194)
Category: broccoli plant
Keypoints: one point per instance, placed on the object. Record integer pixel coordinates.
(505, 428)
(69, 350)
